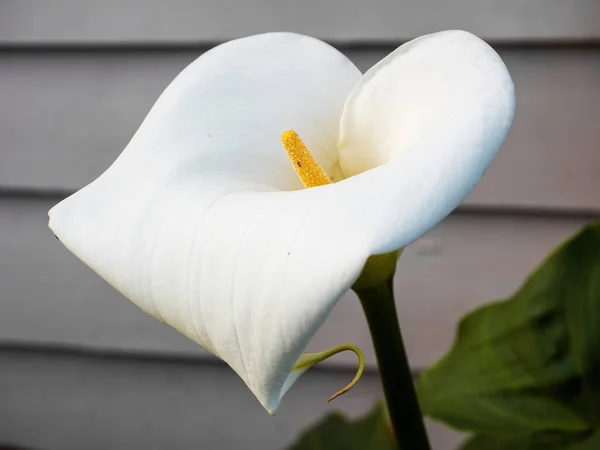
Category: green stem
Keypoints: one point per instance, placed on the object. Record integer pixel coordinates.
(398, 387)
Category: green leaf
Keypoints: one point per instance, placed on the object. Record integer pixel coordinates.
(543, 441)
(335, 432)
(531, 363)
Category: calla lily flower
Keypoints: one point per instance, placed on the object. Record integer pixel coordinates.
(203, 222)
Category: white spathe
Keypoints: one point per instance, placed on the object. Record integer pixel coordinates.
(203, 223)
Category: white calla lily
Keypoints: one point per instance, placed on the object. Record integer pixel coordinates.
(203, 223)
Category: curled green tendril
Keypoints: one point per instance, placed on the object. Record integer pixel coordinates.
(307, 360)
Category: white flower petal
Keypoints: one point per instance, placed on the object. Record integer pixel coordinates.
(434, 112)
(188, 223)
(191, 225)
(237, 99)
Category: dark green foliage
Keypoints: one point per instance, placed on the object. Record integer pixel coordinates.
(336, 432)
(549, 441)
(527, 369)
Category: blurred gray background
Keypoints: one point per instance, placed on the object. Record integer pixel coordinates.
(82, 368)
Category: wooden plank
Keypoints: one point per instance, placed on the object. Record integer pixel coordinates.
(76, 22)
(65, 116)
(50, 298)
(76, 402)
